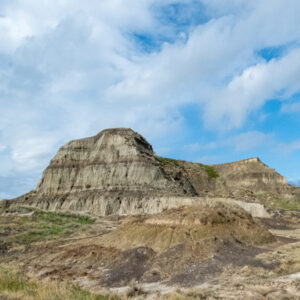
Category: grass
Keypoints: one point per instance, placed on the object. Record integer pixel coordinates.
(211, 171)
(62, 219)
(168, 161)
(15, 285)
(40, 226)
(279, 202)
(14, 282)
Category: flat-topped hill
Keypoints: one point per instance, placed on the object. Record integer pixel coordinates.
(254, 175)
(117, 172)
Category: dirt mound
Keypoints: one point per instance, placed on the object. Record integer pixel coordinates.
(182, 247)
(191, 226)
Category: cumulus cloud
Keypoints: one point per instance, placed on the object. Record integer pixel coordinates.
(250, 140)
(28, 152)
(278, 78)
(245, 141)
(72, 68)
(289, 147)
(290, 108)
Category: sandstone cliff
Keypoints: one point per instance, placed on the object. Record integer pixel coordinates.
(251, 176)
(117, 172)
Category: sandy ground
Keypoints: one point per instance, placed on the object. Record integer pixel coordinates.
(230, 271)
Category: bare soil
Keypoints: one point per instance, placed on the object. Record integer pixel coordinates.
(178, 254)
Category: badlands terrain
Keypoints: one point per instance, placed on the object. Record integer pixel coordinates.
(112, 220)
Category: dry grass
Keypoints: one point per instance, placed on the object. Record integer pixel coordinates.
(280, 202)
(15, 285)
(189, 295)
(135, 290)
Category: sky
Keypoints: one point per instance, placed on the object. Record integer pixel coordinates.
(210, 81)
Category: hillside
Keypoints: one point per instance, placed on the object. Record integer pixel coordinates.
(112, 220)
(117, 172)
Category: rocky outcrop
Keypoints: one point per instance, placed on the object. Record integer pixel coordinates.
(114, 161)
(117, 172)
(248, 177)
(110, 173)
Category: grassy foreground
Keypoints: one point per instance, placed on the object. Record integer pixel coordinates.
(14, 285)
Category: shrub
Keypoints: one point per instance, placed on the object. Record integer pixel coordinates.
(211, 172)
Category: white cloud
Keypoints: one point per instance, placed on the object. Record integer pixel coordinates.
(69, 69)
(289, 147)
(250, 140)
(290, 108)
(29, 152)
(4, 196)
(245, 141)
(209, 159)
(245, 93)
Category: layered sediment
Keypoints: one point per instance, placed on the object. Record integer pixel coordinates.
(117, 172)
(253, 175)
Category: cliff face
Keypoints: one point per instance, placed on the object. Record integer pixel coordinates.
(252, 176)
(117, 172)
(114, 172)
(117, 160)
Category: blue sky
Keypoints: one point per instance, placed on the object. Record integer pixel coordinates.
(205, 80)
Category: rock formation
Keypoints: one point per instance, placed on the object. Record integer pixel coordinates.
(253, 175)
(117, 172)
(189, 225)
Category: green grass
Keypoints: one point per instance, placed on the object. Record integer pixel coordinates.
(14, 285)
(14, 282)
(77, 294)
(168, 161)
(62, 219)
(211, 171)
(41, 234)
(41, 226)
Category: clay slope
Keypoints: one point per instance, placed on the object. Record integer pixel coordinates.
(189, 225)
(117, 172)
(182, 246)
(254, 176)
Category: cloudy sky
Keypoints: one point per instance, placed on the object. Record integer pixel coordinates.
(204, 80)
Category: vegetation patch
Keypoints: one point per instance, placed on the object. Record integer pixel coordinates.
(14, 282)
(168, 161)
(62, 219)
(40, 226)
(211, 172)
(279, 202)
(14, 285)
